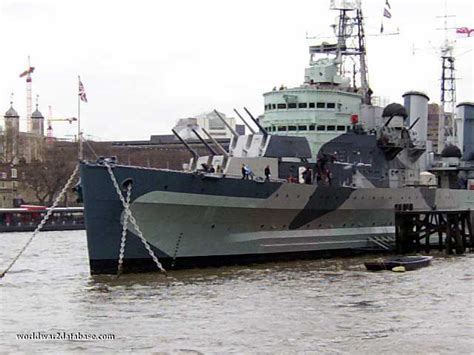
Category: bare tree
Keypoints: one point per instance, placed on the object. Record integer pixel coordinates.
(46, 179)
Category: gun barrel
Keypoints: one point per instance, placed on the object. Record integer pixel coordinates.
(191, 150)
(263, 130)
(213, 152)
(414, 123)
(244, 121)
(226, 124)
(215, 142)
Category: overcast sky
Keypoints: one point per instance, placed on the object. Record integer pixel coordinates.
(145, 64)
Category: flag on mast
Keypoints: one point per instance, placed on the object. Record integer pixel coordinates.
(464, 32)
(82, 93)
(386, 13)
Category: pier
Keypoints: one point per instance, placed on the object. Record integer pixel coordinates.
(420, 230)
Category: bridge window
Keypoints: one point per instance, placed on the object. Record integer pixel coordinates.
(312, 127)
(292, 128)
(331, 105)
(311, 105)
(341, 128)
(292, 105)
(281, 106)
(331, 128)
(302, 105)
(281, 128)
(321, 128)
(320, 105)
(302, 128)
(273, 106)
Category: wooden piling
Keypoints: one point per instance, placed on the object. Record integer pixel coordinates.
(414, 229)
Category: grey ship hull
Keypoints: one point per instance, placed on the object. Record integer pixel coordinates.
(197, 220)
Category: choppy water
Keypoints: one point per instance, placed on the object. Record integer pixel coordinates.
(330, 306)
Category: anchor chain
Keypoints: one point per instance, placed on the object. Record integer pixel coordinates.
(124, 230)
(44, 220)
(132, 218)
(178, 242)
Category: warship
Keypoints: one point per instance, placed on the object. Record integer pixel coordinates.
(321, 176)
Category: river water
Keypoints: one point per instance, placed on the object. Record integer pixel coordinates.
(325, 306)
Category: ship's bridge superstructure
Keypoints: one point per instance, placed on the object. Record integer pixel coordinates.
(320, 113)
(328, 103)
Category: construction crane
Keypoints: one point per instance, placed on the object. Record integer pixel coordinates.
(49, 134)
(27, 73)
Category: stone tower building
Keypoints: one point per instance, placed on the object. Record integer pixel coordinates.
(11, 136)
(37, 122)
(21, 147)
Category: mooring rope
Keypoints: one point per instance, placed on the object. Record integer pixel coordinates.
(44, 220)
(132, 218)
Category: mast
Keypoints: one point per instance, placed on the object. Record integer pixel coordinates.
(350, 35)
(364, 72)
(448, 99)
(446, 130)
